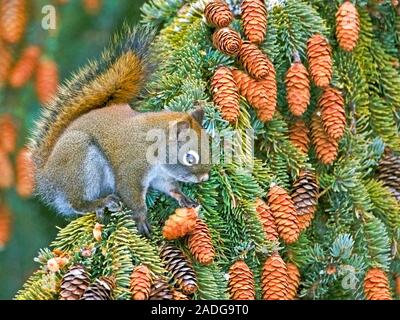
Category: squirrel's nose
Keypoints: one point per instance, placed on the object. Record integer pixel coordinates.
(204, 177)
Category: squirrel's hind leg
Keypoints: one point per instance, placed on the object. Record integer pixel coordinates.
(77, 177)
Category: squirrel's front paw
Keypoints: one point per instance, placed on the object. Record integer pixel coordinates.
(186, 202)
(113, 203)
(144, 228)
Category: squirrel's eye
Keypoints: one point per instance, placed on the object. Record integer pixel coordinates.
(190, 158)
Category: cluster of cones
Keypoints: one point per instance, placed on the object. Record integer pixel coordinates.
(24, 180)
(285, 215)
(329, 121)
(31, 62)
(17, 169)
(256, 80)
(279, 280)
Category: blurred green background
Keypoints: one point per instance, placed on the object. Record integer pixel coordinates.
(83, 28)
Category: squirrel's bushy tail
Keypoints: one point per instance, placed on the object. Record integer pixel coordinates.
(114, 78)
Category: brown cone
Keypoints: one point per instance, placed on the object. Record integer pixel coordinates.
(8, 134)
(160, 290)
(5, 224)
(217, 13)
(332, 113)
(7, 172)
(254, 17)
(74, 283)
(24, 171)
(305, 192)
(376, 285)
(226, 94)
(25, 67)
(326, 148)
(241, 282)
(180, 223)
(397, 284)
(347, 26)
(267, 220)
(227, 41)
(140, 285)
(293, 281)
(261, 95)
(101, 289)
(319, 60)
(200, 244)
(299, 135)
(180, 268)
(284, 213)
(46, 81)
(389, 173)
(254, 61)
(297, 88)
(275, 278)
(5, 63)
(13, 19)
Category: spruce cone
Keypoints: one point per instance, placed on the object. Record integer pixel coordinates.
(160, 290)
(326, 148)
(180, 268)
(298, 135)
(8, 134)
(6, 169)
(332, 113)
(200, 244)
(46, 81)
(293, 281)
(261, 95)
(180, 223)
(275, 278)
(397, 284)
(254, 61)
(177, 295)
(347, 26)
(25, 67)
(297, 88)
(254, 16)
(267, 220)
(319, 59)
(376, 285)
(389, 173)
(5, 224)
(101, 289)
(74, 283)
(217, 14)
(226, 94)
(13, 19)
(5, 63)
(140, 283)
(227, 41)
(241, 282)
(305, 220)
(25, 182)
(284, 212)
(92, 7)
(305, 192)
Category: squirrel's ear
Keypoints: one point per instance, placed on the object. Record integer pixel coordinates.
(198, 115)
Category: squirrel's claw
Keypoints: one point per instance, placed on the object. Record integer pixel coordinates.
(186, 202)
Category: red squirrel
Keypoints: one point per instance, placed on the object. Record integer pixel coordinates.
(89, 146)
